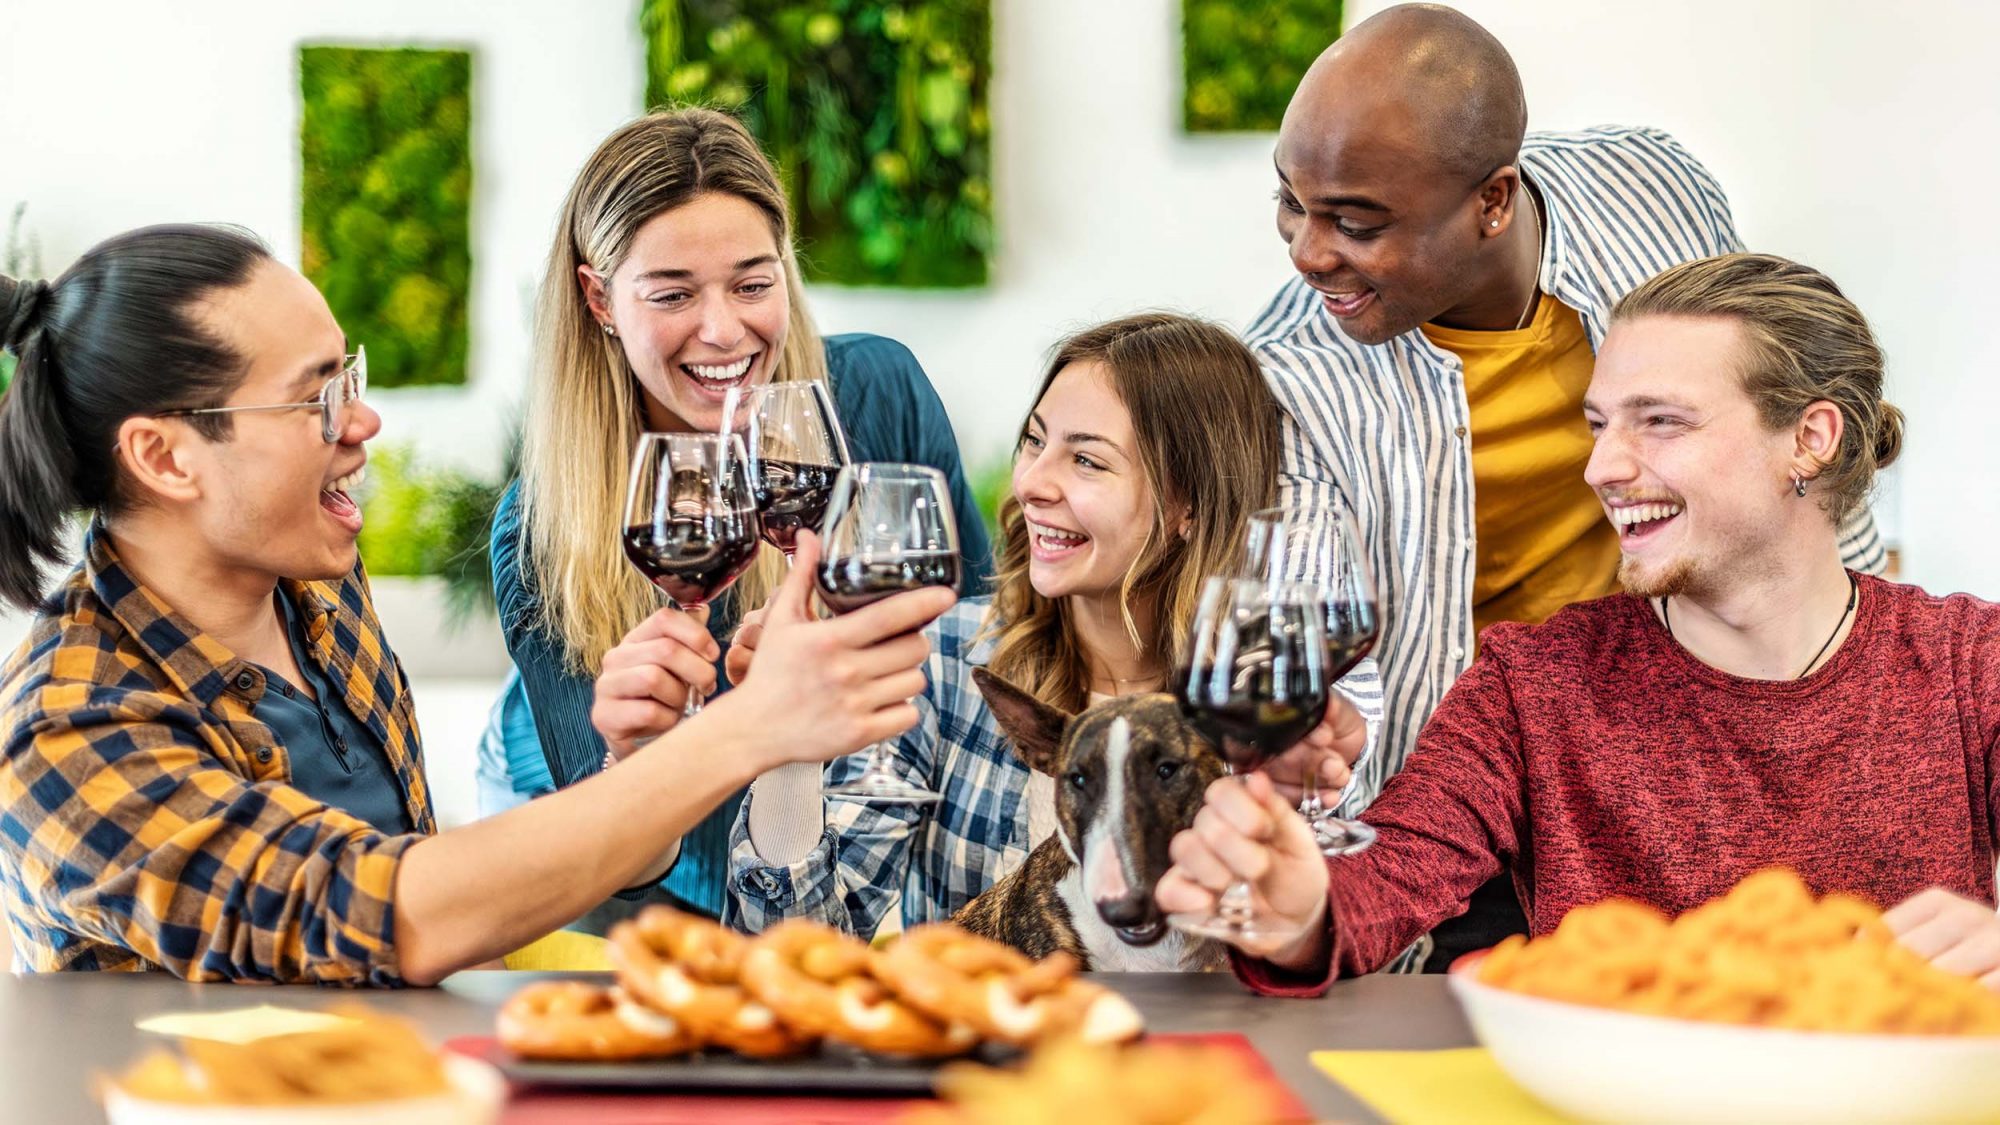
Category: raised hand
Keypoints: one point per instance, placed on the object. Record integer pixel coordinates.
(818, 689)
(645, 679)
(1247, 831)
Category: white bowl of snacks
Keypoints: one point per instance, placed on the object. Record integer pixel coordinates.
(1806, 1013)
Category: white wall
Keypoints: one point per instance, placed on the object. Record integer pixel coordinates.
(117, 114)
(1856, 138)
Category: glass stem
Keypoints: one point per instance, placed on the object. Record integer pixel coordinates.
(1234, 907)
(1310, 805)
(881, 759)
(691, 706)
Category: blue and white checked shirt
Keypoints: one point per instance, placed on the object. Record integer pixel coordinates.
(1384, 429)
(938, 857)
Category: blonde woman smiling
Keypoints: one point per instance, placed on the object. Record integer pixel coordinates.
(671, 282)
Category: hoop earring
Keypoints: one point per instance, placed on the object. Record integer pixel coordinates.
(1799, 485)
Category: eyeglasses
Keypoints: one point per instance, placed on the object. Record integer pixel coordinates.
(332, 401)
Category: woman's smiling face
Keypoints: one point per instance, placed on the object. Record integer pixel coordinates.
(1082, 486)
(699, 305)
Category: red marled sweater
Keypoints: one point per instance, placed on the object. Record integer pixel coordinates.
(1591, 756)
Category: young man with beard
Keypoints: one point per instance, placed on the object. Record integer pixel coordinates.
(1748, 701)
(1455, 278)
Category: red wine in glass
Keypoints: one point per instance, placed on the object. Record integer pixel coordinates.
(1351, 631)
(692, 558)
(1255, 682)
(1256, 698)
(691, 524)
(848, 583)
(796, 448)
(792, 495)
(889, 528)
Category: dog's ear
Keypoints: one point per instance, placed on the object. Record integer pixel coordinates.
(1034, 727)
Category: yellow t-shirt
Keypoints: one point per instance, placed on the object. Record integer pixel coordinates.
(1543, 539)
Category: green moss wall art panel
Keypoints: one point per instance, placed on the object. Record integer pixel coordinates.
(385, 199)
(1241, 59)
(874, 113)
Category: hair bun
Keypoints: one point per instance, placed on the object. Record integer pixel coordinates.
(1889, 439)
(20, 301)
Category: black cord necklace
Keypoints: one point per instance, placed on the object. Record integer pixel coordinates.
(1853, 598)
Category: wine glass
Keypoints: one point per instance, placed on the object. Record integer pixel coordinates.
(1255, 683)
(1317, 545)
(691, 524)
(796, 448)
(889, 528)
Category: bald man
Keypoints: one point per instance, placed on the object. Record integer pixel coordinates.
(1455, 275)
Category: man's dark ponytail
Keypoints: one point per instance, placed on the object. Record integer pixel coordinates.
(111, 338)
(36, 462)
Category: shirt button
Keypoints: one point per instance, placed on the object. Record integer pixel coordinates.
(1457, 653)
(264, 754)
(340, 744)
(246, 681)
(1460, 431)
(768, 881)
(287, 689)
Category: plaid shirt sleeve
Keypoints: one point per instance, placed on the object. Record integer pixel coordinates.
(856, 873)
(871, 856)
(120, 810)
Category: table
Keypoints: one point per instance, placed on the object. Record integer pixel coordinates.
(56, 1029)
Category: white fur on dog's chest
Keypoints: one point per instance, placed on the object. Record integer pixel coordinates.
(1108, 954)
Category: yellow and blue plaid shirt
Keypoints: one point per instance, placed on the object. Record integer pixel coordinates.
(147, 820)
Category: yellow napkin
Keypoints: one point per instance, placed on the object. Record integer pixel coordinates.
(1435, 1087)
(561, 951)
(240, 1025)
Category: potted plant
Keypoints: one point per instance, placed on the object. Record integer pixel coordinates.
(424, 541)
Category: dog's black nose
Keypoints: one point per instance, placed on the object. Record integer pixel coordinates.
(1124, 913)
(1135, 918)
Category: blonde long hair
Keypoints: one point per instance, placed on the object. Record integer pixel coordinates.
(585, 406)
(1207, 430)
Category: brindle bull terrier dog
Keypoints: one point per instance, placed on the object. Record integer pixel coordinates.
(1129, 773)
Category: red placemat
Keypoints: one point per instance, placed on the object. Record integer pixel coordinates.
(528, 1105)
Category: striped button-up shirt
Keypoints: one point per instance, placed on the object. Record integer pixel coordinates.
(927, 860)
(1384, 429)
(146, 819)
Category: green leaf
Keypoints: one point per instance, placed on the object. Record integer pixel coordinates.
(420, 520)
(1243, 58)
(876, 113)
(386, 190)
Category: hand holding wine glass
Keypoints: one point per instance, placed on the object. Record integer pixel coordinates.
(1247, 835)
(648, 677)
(691, 522)
(889, 528)
(1319, 546)
(822, 688)
(1255, 683)
(1323, 760)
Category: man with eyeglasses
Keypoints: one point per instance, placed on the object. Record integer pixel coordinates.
(209, 760)
(1455, 279)
(349, 386)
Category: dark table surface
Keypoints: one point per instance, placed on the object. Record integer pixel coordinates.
(57, 1029)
